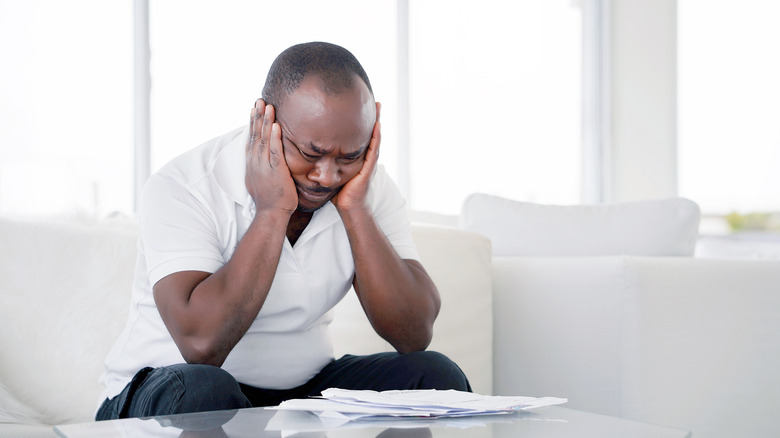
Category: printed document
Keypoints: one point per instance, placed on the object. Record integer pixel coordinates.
(429, 403)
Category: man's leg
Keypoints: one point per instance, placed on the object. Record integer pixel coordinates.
(385, 371)
(175, 389)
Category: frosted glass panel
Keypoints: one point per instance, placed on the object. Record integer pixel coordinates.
(495, 101)
(66, 109)
(729, 104)
(210, 60)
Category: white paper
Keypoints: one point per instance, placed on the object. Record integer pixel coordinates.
(353, 405)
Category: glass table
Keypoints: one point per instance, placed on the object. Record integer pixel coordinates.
(549, 422)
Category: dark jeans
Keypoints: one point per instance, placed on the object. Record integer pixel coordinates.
(184, 388)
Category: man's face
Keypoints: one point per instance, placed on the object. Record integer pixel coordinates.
(325, 138)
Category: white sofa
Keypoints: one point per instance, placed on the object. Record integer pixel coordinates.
(65, 293)
(676, 341)
(604, 304)
(681, 342)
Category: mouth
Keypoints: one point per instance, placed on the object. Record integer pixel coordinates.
(317, 195)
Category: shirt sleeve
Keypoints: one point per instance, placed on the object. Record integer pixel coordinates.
(178, 232)
(389, 208)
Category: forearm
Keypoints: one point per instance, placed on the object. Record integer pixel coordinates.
(207, 322)
(398, 296)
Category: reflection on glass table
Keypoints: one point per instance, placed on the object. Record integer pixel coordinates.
(548, 422)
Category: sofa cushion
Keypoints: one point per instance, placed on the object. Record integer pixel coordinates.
(667, 227)
(63, 302)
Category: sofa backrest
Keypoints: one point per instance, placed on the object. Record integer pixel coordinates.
(665, 227)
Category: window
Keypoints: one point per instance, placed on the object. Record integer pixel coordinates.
(729, 105)
(495, 101)
(493, 92)
(210, 59)
(66, 108)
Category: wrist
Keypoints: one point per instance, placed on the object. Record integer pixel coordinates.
(272, 218)
(354, 214)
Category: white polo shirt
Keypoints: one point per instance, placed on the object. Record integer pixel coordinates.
(193, 213)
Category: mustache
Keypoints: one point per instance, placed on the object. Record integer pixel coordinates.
(320, 189)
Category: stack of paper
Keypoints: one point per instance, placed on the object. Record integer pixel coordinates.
(348, 404)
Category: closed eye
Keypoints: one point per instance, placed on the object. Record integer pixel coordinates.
(308, 157)
(349, 159)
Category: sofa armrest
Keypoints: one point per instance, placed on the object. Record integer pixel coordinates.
(459, 263)
(63, 302)
(701, 345)
(681, 342)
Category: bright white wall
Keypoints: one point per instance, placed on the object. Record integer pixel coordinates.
(642, 154)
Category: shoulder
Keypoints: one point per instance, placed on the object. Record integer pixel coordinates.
(192, 165)
(383, 193)
(389, 209)
(187, 184)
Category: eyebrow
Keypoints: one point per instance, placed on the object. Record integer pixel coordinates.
(318, 150)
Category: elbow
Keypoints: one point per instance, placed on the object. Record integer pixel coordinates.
(201, 352)
(409, 334)
(411, 347)
(412, 340)
(200, 359)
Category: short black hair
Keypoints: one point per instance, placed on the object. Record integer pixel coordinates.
(335, 65)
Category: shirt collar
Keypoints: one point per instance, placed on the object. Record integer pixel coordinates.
(230, 167)
(323, 218)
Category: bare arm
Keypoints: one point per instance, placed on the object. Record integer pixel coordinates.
(207, 314)
(397, 295)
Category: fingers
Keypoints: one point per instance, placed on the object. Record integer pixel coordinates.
(257, 112)
(271, 139)
(264, 143)
(372, 155)
(261, 121)
(376, 138)
(376, 134)
(275, 154)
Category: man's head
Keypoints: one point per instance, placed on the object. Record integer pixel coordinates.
(335, 65)
(325, 107)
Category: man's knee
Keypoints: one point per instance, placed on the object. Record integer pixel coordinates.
(434, 370)
(206, 377)
(185, 388)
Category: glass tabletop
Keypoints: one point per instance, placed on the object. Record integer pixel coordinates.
(550, 422)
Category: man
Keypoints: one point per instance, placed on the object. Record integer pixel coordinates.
(249, 240)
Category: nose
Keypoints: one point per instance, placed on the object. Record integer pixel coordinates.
(326, 173)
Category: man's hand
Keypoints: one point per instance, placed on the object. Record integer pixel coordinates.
(353, 194)
(208, 314)
(398, 296)
(268, 178)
